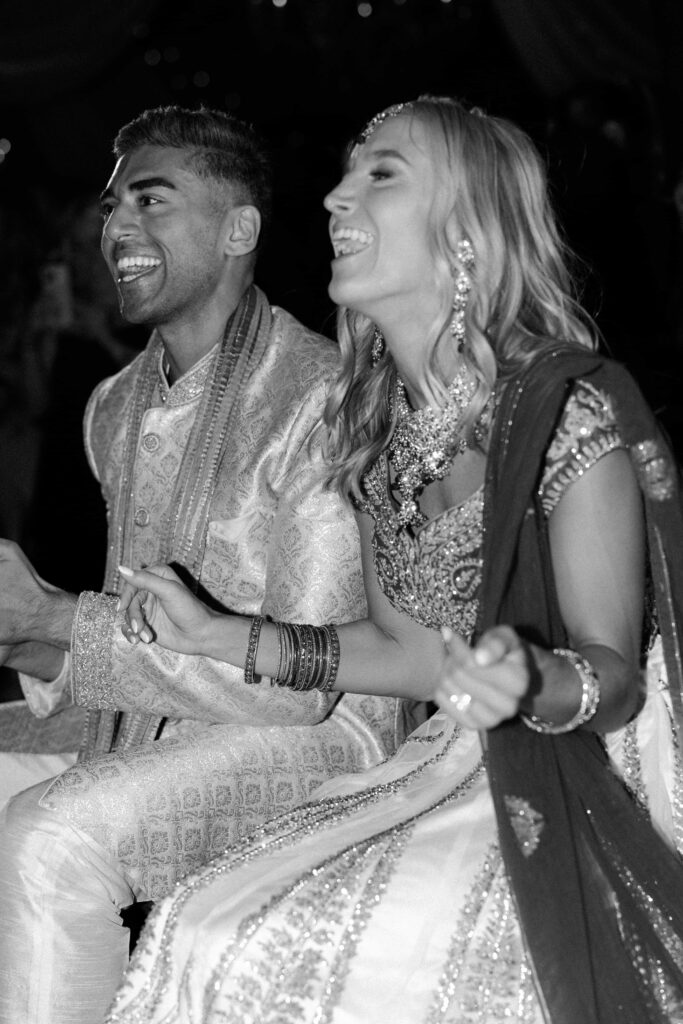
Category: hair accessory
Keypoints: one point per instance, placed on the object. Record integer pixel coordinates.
(377, 350)
(590, 697)
(252, 647)
(463, 287)
(425, 441)
(309, 656)
(384, 115)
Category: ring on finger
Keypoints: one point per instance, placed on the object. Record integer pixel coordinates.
(461, 701)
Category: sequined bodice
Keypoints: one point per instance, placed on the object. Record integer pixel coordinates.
(433, 573)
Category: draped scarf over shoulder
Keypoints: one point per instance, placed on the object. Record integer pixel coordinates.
(246, 335)
(599, 893)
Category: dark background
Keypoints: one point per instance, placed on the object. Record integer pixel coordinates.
(597, 83)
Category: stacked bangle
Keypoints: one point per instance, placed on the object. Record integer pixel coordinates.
(590, 697)
(309, 656)
(252, 647)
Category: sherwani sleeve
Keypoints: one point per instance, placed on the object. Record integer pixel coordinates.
(312, 574)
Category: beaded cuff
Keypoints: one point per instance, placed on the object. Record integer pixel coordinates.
(91, 641)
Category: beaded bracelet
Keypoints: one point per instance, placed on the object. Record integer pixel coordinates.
(334, 658)
(590, 697)
(252, 647)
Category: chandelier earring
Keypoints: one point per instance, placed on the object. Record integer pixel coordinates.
(377, 350)
(462, 289)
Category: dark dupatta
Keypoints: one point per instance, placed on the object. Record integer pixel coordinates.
(599, 893)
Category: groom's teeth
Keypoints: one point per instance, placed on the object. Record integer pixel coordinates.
(130, 267)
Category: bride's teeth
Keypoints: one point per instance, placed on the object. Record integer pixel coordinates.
(350, 240)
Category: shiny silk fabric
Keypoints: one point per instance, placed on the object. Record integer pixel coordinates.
(277, 543)
(599, 892)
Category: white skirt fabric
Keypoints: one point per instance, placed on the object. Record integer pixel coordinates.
(383, 901)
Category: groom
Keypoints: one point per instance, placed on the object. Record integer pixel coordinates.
(207, 450)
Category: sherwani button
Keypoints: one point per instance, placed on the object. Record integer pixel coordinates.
(141, 517)
(151, 442)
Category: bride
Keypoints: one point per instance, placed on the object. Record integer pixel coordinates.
(517, 508)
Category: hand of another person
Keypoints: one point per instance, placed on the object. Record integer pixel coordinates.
(481, 686)
(158, 606)
(36, 659)
(30, 608)
(20, 589)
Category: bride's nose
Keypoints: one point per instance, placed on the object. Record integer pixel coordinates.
(340, 199)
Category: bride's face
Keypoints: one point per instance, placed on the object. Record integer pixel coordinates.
(380, 223)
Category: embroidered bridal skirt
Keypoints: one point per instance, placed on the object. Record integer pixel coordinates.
(383, 902)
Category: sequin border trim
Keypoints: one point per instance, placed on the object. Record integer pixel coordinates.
(654, 469)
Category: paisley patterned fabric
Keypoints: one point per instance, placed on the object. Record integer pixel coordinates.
(165, 808)
(386, 898)
(228, 755)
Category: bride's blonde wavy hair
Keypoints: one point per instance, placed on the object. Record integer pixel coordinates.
(491, 184)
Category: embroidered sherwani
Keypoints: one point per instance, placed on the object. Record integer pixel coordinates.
(227, 755)
(277, 543)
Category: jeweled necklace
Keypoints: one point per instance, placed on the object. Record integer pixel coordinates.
(425, 442)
